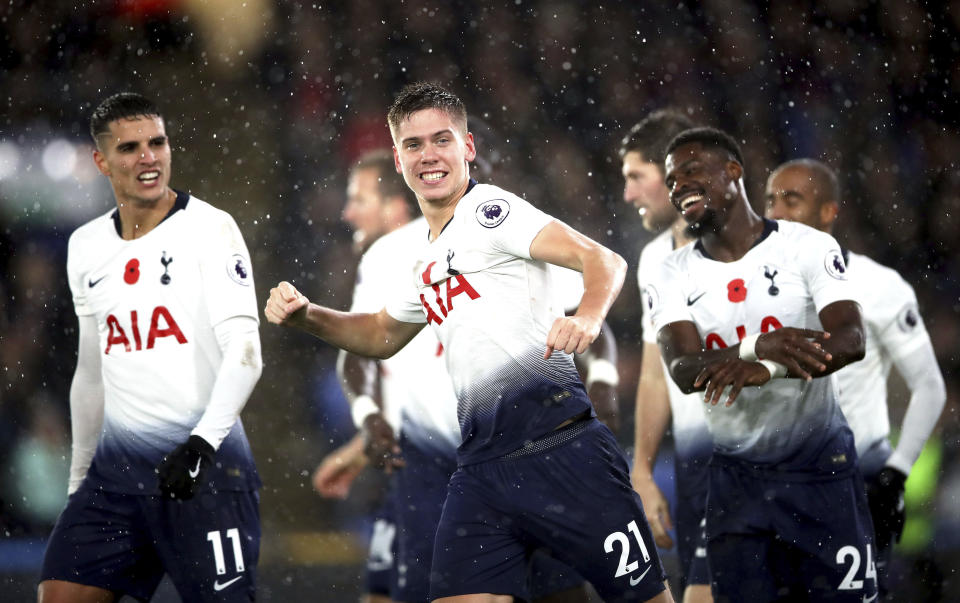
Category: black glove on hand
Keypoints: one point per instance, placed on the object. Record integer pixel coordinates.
(181, 470)
(885, 495)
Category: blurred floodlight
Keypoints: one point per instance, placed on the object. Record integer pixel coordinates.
(9, 159)
(59, 159)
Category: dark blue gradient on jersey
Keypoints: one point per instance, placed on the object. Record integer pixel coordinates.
(517, 404)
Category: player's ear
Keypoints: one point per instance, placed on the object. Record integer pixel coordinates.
(396, 161)
(828, 213)
(101, 162)
(471, 147)
(734, 170)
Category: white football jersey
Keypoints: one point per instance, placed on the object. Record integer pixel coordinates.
(784, 280)
(894, 329)
(691, 435)
(156, 299)
(411, 381)
(492, 307)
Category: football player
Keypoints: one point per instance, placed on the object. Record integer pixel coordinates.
(162, 478)
(659, 399)
(756, 314)
(535, 468)
(807, 191)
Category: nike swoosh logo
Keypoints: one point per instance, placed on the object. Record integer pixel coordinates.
(196, 471)
(693, 300)
(634, 582)
(218, 587)
(93, 283)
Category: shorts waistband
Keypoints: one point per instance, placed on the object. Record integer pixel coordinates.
(555, 438)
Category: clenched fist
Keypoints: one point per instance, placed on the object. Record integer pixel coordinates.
(286, 306)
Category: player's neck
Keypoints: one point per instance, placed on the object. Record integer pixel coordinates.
(739, 232)
(678, 231)
(137, 218)
(438, 212)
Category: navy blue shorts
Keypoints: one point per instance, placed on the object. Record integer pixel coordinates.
(380, 570)
(572, 496)
(420, 489)
(691, 540)
(698, 569)
(124, 543)
(770, 537)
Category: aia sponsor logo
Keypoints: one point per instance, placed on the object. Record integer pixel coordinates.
(162, 324)
(444, 302)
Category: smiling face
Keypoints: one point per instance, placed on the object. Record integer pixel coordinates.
(432, 150)
(703, 185)
(797, 194)
(643, 187)
(135, 155)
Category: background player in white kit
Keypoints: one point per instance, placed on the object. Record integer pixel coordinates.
(162, 477)
(807, 191)
(524, 416)
(755, 314)
(658, 398)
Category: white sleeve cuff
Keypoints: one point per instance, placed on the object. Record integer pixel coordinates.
(899, 462)
(362, 407)
(603, 371)
(748, 348)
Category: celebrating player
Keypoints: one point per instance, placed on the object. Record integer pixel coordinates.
(787, 516)
(162, 478)
(658, 398)
(535, 467)
(807, 191)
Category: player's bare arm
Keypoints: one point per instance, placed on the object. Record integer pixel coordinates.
(652, 415)
(801, 351)
(359, 380)
(603, 274)
(333, 477)
(373, 335)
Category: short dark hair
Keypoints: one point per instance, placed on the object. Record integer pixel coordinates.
(826, 179)
(650, 136)
(123, 105)
(425, 95)
(710, 137)
(389, 182)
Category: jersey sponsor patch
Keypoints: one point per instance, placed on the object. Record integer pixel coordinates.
(239, 269)
(834, 264)
(492, 213)
(908, 319)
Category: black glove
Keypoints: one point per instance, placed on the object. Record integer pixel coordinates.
(885, 495)
(181, 470)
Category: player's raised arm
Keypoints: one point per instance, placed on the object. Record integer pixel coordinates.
(603, 274)
(374, 335)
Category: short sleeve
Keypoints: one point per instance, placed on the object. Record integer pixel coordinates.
(75, 277)
(226, 271)
(405, 305)
(824, 268)
(511, 223)
(664, 300)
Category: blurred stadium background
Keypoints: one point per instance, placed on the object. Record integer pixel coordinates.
(268, 101)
